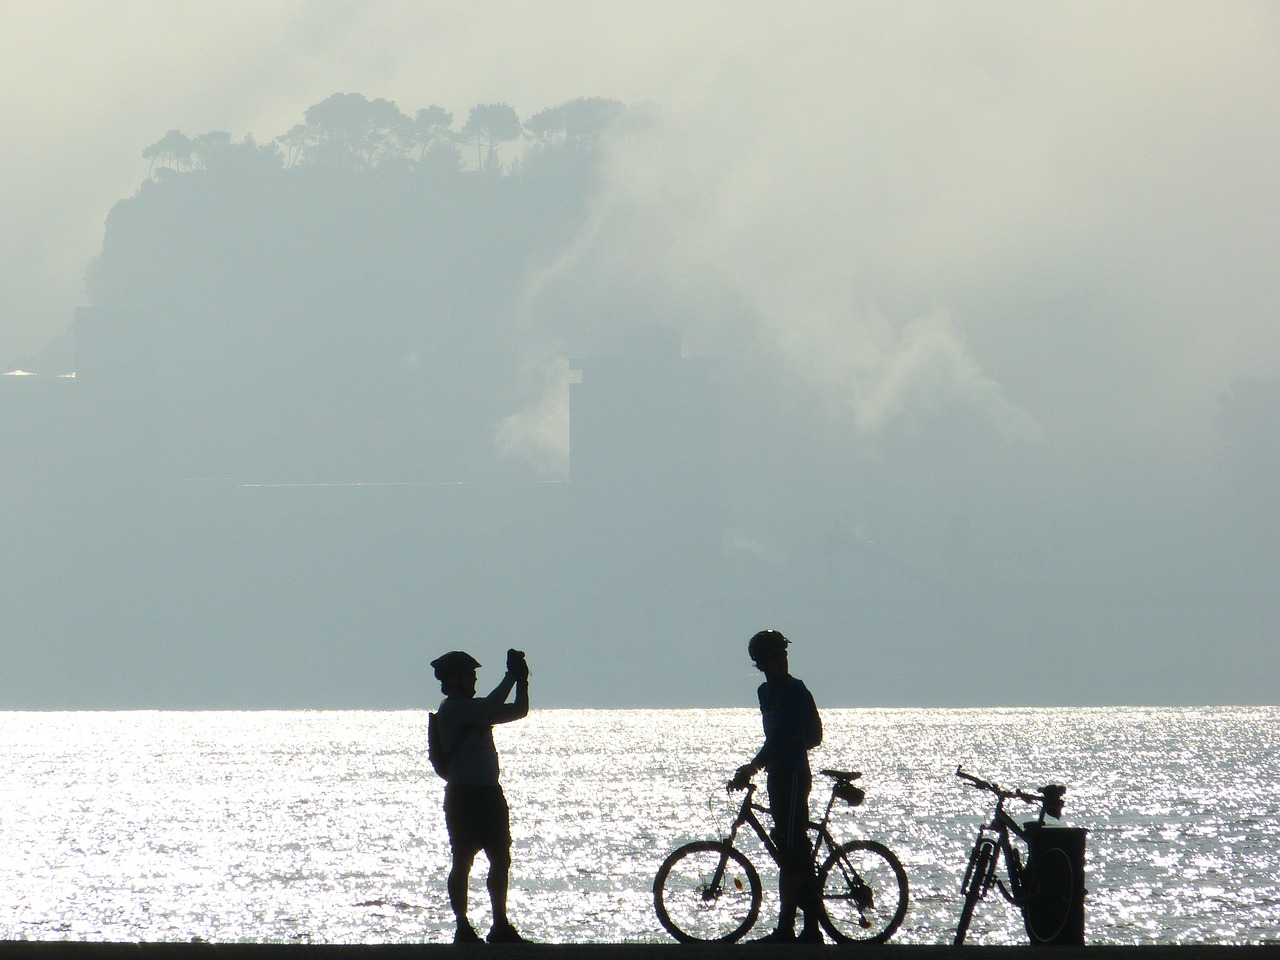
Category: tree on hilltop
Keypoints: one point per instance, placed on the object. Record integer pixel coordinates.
(351, 131)
(431, 124)
(437, 143)
(173, 150)
(207, 151)
(586, 119)
(547, 126)
(294, 143)
(489, 124)
(207, 147)
(566, 137)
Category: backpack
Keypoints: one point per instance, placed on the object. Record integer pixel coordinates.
(436, 752)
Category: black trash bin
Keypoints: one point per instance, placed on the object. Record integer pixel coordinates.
(1054, 911)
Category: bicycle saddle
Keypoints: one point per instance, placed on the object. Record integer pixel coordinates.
(845, 775)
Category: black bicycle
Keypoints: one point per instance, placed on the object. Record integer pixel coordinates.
(1042, 887)
(709, 890)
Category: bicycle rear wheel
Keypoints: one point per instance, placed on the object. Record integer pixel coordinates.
(977, 878)
(1048, 905)
(707, 891)
(864, 893)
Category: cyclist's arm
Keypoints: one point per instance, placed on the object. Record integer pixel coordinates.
(773, 732)
(498, 710)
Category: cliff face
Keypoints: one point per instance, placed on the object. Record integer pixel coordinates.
(317, 324)
(276, 469)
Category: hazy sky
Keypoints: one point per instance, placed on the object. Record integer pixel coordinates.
(1034, 151)
(1061, 219)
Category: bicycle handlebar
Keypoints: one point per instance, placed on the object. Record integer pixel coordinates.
(845, 776)
(975, 781)
(997, 789)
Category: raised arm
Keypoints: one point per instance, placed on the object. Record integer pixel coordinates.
(517, 678)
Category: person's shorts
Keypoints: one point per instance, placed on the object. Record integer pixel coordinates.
(477, 818)
(789, 805)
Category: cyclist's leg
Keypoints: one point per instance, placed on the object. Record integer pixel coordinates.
(457, 883)
(789, 807)
(465, 842)
(497, 849)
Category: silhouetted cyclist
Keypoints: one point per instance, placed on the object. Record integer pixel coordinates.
(792, 728)
(475, 808)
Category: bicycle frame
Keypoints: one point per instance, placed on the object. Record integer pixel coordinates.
(824, 842)
(997, 833)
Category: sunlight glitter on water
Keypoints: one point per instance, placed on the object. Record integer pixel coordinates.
(309, 826)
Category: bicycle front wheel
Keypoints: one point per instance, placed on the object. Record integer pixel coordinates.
(1048, 905)
(864, 893)
(707, 891)
(977, 878)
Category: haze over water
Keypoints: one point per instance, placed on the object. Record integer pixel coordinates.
(966, 354)
(325, 826)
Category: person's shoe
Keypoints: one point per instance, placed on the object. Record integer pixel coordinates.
(504, 933)
(781, 935)
(466, 933)
(809, 933)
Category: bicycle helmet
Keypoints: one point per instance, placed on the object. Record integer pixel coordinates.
(454, 662)
(764, 643)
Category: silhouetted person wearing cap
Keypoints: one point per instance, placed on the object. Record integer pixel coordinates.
(475, 808)
(792, 728)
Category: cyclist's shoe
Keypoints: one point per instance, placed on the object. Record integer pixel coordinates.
(466, 934)
(809, 933)
(504, 933)
(781, 935)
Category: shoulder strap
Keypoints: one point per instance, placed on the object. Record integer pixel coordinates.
(447, 755)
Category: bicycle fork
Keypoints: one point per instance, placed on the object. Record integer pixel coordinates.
(712, 890)
(982, 866)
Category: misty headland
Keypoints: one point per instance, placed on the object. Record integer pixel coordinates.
(397, 383)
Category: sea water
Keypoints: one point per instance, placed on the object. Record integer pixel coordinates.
(326, 826)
